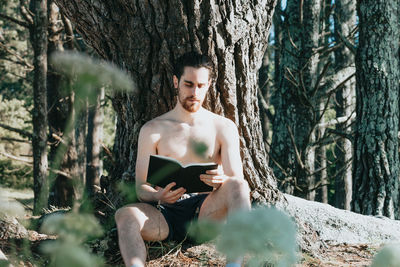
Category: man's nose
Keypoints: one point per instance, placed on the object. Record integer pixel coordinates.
(195, 90)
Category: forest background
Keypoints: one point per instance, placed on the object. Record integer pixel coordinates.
(325, 80)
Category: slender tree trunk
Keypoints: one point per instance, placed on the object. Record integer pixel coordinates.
(93, 144)
(321, 174)
(345, 21)
(38, 36)
(80, 119)
(295, 117)
(62, 153)
(376, 163)
(148, 36)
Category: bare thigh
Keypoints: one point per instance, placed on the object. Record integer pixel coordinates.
(214, 206)
(233, 194)
(151, 222)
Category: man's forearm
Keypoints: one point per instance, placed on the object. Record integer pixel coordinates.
(146, 193)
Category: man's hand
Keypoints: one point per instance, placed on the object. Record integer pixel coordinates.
(214, 178)
(166, 195)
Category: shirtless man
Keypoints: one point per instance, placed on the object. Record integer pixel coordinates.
(164, 213)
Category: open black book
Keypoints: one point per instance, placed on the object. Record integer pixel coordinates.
(164, 170)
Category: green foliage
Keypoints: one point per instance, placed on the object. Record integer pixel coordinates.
(4, 263)
(200, 148)
(13, 173)
(128, 191)
(204, 230)
(14, 50)
(72, 229)
(263, 234)
(388, 256)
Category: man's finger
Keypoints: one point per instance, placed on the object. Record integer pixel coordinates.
(212, 171)
(169, 186)
(179, 191)
(173, 197)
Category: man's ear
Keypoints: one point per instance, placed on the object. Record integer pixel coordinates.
(176, 81)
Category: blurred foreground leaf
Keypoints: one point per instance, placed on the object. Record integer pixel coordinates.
(72, 226)
(91, 73)
(388, 256)
(263, 234)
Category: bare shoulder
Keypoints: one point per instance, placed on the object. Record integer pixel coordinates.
(154, 127)
(224, 126)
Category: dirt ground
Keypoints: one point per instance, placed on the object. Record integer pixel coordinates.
(334, 255)
(189, 255)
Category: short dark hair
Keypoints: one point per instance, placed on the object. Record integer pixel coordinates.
(195, 60)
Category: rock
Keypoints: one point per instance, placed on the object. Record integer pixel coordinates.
(10, 228)
(322, 223)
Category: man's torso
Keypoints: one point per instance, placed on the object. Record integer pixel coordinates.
(189, 143)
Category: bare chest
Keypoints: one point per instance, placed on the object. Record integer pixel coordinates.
(190, 143)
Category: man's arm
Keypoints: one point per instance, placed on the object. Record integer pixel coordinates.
(230, 150)
(228, 137)
(147, 145)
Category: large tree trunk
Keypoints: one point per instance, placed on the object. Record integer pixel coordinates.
(62, 155)
(376, 174)
(345, 21)
(38, 37)
(144, 37)
(295, 118)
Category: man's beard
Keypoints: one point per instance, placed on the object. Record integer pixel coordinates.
(189, 105)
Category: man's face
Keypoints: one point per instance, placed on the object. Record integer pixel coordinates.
(192, 87)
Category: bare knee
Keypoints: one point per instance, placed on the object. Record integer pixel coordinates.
(237, 186)
(129, 215)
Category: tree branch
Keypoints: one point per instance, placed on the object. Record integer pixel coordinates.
(15, 140)
(347, 43)
(31, 162)
(265, 105)
(342, 134)
(21, 132)
(337, 121)
(16, 21)
(21, 61)
(295, 147)
(320, 77)
(26, 14)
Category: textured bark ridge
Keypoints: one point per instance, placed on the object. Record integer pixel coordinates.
(376, 177)
(144, 37)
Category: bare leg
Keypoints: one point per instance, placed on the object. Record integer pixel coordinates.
(136, 223)
(234, 194)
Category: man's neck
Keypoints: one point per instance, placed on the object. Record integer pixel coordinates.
(185, 116)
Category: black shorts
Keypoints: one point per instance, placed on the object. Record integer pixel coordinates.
(180, 214)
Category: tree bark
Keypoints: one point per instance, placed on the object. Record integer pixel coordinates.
(321, 174)
(62, 154)
(376, 163)
(295, 111)
(148, 35)
(38, 37)
(345, 21)
(93, 144)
